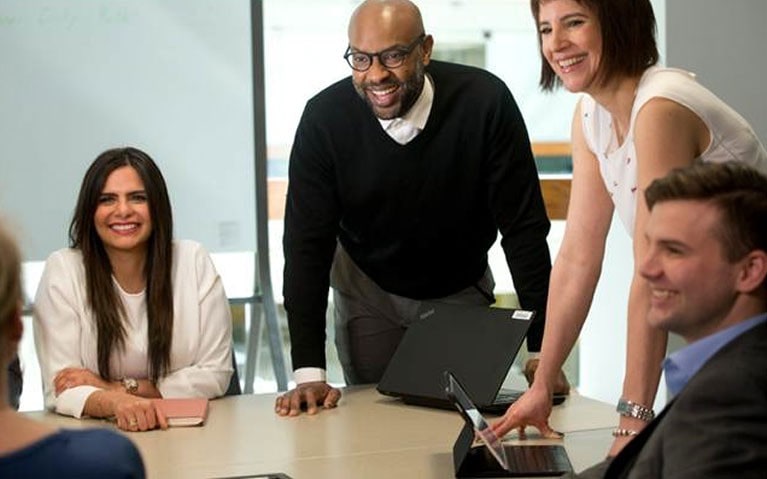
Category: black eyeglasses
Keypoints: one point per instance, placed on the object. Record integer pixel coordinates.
(389, 58)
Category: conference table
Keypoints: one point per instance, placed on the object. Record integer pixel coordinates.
(367, 436)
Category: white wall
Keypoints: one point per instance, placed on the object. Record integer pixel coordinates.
(172, 77)
(724, 43)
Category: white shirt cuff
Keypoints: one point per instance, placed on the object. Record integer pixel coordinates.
(71, 402)
(307, 375)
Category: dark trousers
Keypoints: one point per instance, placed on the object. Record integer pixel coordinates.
(369, 322)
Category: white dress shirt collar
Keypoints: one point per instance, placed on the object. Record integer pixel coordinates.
(404, 129)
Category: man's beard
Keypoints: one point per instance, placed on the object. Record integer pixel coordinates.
(410, 90)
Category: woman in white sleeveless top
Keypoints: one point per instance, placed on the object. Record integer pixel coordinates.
(634, 123)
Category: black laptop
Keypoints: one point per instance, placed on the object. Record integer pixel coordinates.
(477, 343)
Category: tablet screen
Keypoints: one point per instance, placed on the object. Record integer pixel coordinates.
(458, 396)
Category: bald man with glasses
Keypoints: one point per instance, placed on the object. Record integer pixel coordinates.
(400, 178)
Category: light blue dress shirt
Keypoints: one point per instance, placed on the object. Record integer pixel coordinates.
(683, 364)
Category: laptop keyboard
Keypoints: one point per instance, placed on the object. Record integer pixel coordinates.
(537, 460)
(507, 396)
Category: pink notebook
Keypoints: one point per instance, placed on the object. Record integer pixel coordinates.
(184, 411)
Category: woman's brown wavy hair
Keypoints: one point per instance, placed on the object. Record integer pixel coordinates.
(628, 39)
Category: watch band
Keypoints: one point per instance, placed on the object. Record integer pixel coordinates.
(637, 411)
(130, 385)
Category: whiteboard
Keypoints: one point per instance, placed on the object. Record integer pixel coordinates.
(172, 77)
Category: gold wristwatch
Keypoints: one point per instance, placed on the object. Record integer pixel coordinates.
(130, 385)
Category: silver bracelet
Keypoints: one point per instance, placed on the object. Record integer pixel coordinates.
(637, 411)
(620, 432)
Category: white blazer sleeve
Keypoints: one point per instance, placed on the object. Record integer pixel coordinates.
(204, 319)
(59, 302)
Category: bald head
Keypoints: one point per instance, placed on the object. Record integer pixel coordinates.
(400, 17)
(393, 28)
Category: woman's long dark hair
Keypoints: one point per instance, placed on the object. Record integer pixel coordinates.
(102, 296)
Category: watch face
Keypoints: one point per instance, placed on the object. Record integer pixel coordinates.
(130, 385)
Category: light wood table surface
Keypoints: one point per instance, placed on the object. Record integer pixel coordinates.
(367, 436)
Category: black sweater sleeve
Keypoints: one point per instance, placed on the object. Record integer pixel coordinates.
(309, 241)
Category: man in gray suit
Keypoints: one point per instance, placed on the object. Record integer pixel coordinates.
(706, 265)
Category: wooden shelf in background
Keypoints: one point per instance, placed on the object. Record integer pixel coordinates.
(556, 196)
(551, 149)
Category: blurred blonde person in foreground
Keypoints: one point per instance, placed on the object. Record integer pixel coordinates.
(32, 449)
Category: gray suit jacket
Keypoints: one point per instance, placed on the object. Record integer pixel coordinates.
(715, 428)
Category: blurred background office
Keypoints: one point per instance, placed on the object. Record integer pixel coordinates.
(175, 77)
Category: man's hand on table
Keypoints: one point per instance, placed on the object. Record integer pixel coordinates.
(311, 395)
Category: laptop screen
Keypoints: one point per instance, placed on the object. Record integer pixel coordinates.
(457, 395)
(477, 343)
